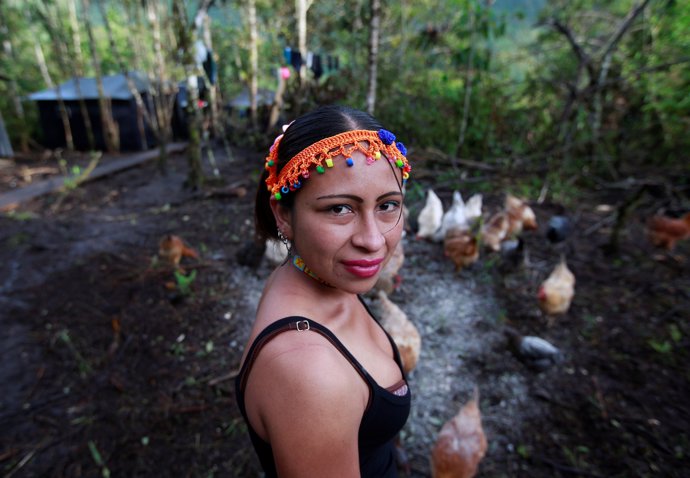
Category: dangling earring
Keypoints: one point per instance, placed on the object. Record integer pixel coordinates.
(286, 241)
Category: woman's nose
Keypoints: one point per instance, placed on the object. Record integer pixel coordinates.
(368, 234)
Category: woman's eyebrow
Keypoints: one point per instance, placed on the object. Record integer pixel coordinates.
(388, 194)
(341, 196)
(357, 198)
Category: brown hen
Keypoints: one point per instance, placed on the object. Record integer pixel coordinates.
(462, 248)
(172, 248)
(520, 216)
(556, 292)
(389, 279)
(401, 329)
(665, 231)
(495, 230)
(461, 443)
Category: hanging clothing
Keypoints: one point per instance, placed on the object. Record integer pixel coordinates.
(296, 60)
(211, 68)
(316, 66)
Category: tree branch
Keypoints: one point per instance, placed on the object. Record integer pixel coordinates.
(574, 45)
(625, 24)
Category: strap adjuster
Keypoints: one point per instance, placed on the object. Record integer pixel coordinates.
(302, 325)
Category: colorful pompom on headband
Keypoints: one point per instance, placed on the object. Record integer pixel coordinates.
(380, 143)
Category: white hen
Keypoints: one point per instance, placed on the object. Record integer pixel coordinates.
(276, 252)
(430, 217)
(454, 218)
(473, 208)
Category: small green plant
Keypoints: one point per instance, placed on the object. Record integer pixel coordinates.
(83, 364)
(523, 451)
(96, 455)
(675, 333)
(576, 455)
(76, 175)
(21, 216)
(663, 347)
(178, 349)
(184, 282)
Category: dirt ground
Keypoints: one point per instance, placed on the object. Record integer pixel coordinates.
(113, 367)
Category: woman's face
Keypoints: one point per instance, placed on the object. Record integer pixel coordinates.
(346, 222)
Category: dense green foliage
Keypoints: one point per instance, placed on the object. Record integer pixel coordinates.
(481, 80)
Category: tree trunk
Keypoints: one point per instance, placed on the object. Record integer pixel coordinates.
(41, 59)
(158, 97)
(212, 88)
(136, 29)
(606, 57)
(5, 145)
(468, 87)
(14, 91)
(277, 102)
(253, 62)
(60, 53)
(374, 33)
(13, 88)
(185, 43)
(111, 135)
(142, 112)
(77, 66)
(301, 8)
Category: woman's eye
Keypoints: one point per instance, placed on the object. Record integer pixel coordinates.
(340, 209)
(389, 206)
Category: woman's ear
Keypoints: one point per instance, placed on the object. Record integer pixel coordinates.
(283, 217)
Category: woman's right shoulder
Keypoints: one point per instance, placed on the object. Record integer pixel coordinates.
(304, 363)
(291, 347)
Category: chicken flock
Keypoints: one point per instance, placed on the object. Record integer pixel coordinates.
(461, 443)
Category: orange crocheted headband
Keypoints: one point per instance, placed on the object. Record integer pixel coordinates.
(381, 142)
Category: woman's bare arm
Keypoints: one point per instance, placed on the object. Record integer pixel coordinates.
(310, 403)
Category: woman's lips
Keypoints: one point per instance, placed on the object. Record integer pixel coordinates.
(363, 268)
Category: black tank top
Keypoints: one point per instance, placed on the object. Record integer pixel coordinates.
(384, 417)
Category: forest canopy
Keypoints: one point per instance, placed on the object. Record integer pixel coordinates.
(563, 86)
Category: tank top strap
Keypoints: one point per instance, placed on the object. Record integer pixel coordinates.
(298, 324)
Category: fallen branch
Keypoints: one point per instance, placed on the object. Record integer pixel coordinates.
(13, 199)
(440, 155)
(27, 458)
(222, 378)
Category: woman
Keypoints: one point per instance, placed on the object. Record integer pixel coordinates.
(321, 385)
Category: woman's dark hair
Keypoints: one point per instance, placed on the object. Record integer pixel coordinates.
(306, 130)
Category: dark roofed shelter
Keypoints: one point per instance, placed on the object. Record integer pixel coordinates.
(124, 110)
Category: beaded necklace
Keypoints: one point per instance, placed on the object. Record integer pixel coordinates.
(299, 263)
